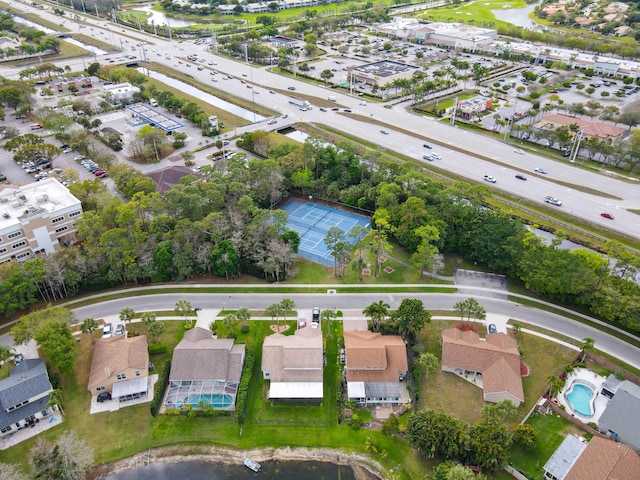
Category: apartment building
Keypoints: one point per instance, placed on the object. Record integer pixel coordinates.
(37, 218)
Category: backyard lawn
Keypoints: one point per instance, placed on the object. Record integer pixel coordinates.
(552, 430)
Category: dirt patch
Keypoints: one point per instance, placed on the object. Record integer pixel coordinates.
(279, 328)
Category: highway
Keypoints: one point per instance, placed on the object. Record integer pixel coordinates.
(561, 181)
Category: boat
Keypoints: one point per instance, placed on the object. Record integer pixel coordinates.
(251, 464)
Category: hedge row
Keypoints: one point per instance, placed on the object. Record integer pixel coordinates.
(243, 388)
(160, 388)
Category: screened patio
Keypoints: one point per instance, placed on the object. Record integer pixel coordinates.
(218, 393)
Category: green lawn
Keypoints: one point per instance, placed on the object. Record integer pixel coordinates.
(552, 430)
(478, 13)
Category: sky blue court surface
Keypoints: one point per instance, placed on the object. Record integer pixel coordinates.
(312, 222)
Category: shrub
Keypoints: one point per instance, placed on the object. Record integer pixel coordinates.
(243, 389)
(244, 328)
(158, 348)
(160, 387)
(173, 411)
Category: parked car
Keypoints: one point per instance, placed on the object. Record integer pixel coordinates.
(490, 179)
(315, 315)
(272, 121)
(518, 151)
(552, 200)
(67, 150)
(103, 397)
(97, 173)
(2, 177)
(107, 330)
(521, 177)
(18, 358)
(120, 329)
(607, 215)
(384, 132)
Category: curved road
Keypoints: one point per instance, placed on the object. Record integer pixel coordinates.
(432, 301)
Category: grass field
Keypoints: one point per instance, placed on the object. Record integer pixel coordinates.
(478, 13)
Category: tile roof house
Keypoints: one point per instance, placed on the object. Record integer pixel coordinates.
(589, 128)
(600, 459)
(293, 364)
(24, 396)
(120, 366)
(375, 368)
(205, 368)
(617, 422)
(168, 177)
(495, 358)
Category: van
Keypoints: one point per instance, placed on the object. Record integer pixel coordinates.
(363, 104)
(36, 126)
(153, 102)
(331, 98)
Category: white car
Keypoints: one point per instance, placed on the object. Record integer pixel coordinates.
(518, 151)
(553, 201)
(272, 121)
(540, 170)
(107, 330)
(490, 179)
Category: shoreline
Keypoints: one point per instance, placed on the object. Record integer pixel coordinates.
(364, 467)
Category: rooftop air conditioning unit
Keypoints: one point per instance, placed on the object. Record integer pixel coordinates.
(42, 198)
(6, 215)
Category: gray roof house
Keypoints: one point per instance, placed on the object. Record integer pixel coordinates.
(24, 396)
(205, 369)
(620, 420)
(293, 364)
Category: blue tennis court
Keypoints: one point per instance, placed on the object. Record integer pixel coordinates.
(312, 222)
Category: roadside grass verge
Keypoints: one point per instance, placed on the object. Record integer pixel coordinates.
(552, 430)
(188, 79)
(448, 393)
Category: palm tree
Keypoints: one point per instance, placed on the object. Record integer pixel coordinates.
(287, 305)
(274, 312)
(155, 329)
(555, 385)
(148, 317)
(587, 346)
(427, 362)
(55, 398)
(183, 307)
(377, 311)
(230, 322)
(243, 315)
(89, 325)
(127, 314)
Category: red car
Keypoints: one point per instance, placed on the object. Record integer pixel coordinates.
(97, 173)
(607, 215)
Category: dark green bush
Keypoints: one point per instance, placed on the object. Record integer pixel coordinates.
(158, 348)
(243, 388)
(160, 387)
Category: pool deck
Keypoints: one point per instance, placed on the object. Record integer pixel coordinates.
(589, 378)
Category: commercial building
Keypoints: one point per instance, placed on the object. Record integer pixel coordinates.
(382, 73)
(38, 218)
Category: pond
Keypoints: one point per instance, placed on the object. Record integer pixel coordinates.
(155, 17)
(202, 470)
(517, 16)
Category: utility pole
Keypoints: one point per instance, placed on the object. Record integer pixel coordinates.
(453, 112)
(576, 147)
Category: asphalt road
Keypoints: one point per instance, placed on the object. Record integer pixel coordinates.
(432, 301)
(443, 137)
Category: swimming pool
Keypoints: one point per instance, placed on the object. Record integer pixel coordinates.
(580, 398)
(217, 400)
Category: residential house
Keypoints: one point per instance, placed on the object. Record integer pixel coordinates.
(493, 363)
(36, 218)
(168, 177)
(205, 368)
(600, 459)
(24, 396)
(620, 420)
(120, 366)
(293, 365)
(375, 368)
